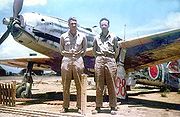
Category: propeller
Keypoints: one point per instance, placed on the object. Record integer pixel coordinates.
(5, 35)
(17, 6)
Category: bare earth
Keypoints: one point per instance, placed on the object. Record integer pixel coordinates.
(139, 104)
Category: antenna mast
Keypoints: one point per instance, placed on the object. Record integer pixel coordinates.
(124, 32)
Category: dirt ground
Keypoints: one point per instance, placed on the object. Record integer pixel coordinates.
(141, 102)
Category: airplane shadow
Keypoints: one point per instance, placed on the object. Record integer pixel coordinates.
(132, 102)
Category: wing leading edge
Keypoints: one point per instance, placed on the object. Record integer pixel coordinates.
(39, 63)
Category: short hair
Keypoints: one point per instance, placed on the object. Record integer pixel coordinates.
(71, 18)
(104, 19)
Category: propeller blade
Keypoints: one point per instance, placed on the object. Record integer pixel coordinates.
(17, 6)
(5, 35)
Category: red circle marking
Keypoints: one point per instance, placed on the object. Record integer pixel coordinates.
(154, 72)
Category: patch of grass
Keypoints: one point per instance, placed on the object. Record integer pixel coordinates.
(167, 90)
(163, 94)
(178, 92)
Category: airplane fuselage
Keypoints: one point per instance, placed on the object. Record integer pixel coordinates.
(42, 34)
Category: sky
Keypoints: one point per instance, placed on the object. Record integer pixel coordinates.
(128, 18)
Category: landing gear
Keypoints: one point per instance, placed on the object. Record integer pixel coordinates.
(23, 90)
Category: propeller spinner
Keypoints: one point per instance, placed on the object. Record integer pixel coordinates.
(17, 6)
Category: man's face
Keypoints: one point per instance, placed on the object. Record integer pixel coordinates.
(104, 25)
(73, 25)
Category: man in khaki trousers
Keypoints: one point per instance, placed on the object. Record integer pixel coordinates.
(105, 49)
(73, 46)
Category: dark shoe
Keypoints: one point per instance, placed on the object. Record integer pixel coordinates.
(113, 110)
(79, 110)
(97, 110)
(64, 110)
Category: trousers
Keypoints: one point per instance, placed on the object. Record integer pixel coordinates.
(105, 71)
(71, 69)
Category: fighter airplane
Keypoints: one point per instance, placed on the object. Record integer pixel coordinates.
(41, 33)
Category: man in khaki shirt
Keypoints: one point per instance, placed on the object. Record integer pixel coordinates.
(73, 46)
(105, 49)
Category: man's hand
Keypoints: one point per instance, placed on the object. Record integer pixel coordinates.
(73, 52)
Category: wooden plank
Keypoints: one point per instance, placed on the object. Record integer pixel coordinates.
(5, 94)
(0, 94)
(8, 93)
(83, 94)
(13, 90)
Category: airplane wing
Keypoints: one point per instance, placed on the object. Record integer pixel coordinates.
(152, 49)
(141, 52)
(42, 62)
(39, 63)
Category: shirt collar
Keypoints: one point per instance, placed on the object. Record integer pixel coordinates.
(77, 34)
(107, 36)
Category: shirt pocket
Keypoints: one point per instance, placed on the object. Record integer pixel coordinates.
(78, 44)
(110, 46)
(78, 47)
(67, 45)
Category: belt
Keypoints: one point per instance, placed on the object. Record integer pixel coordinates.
(72, 56)
(106, 55)
(120, 63)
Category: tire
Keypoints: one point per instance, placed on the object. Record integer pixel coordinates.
(19, 90)
(23, 94)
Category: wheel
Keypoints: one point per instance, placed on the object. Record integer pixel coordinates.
(24, 95)
(19, 90)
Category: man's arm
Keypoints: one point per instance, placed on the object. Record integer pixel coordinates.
(61, 48)
(117, 47)
(94, 47)
(84, 47)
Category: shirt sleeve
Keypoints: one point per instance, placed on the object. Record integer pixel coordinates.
(61, 47)
(94, 47)
(84, 45)
(116, 47)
